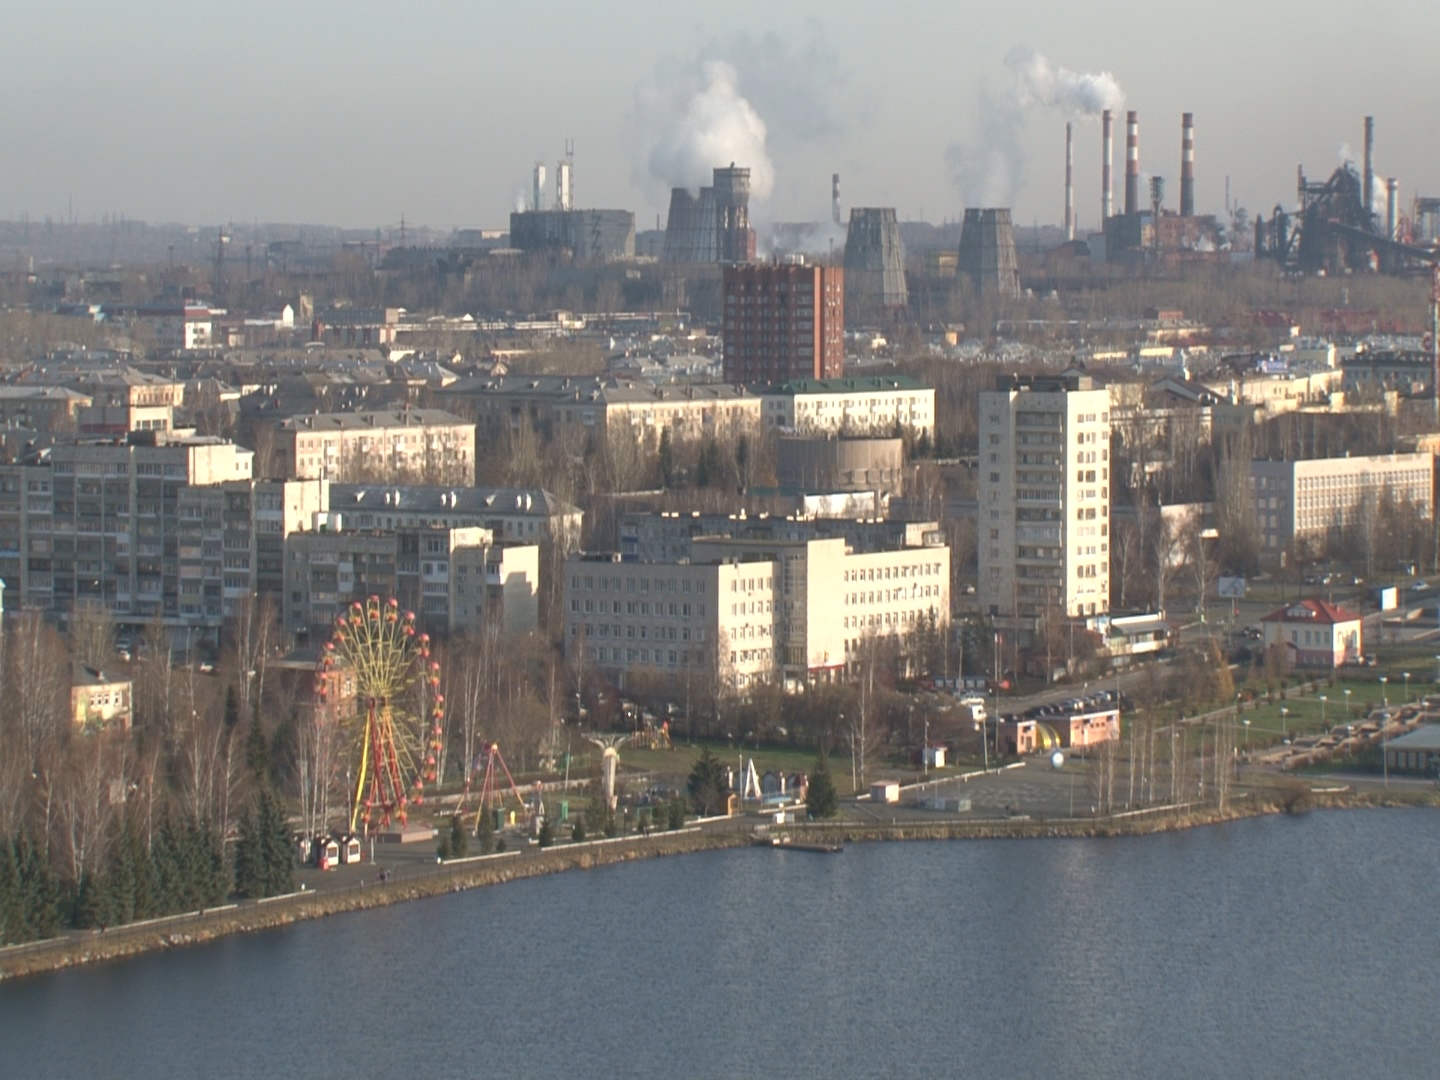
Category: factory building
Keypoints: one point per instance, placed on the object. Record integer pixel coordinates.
(712, 225)
(875, 290)
(589, 235)
(1044, 498)
(987, 252)
(783, 322)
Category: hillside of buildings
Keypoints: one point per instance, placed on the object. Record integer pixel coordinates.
(619, 495)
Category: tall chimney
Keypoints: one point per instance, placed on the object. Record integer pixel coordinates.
(1392, 209)
(1187, 165)
(1132, 162)
(1069, 182)
(835, 197)
(1107, 155)
(1368, 193)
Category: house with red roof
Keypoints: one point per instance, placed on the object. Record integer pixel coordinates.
(1316, 634)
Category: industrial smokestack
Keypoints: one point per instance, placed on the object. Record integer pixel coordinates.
(1132, 162)
(539, 186)
(1187, 165)
(835, 197)
(1107, 157)
(1369, 186)
(1069, 182)
(1392, 209)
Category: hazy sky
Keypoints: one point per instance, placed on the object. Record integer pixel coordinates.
(360, 112)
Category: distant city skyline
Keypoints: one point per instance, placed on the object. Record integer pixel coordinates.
(357, 115)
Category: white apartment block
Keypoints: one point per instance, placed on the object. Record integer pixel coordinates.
(422, 446)
(1044, 498)
(703, 621)
(834, 599)
(1315, 502)
(869, 405)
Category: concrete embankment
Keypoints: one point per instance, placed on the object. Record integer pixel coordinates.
(193, 928)
(89, 947)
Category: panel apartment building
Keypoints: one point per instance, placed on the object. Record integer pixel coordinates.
(1315, 502)
(454, 579)
(783, 321)
(416, 446)
(101, 522)
(1044, 498)
(860, 405)
(823, 599)
(700, 621)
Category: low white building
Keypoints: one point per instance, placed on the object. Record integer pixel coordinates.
(867, 405)
(1315, 634)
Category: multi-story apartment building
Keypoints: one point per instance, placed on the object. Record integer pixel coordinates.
(454, 579)
(667, 536)
(556, 404)
(396, 446)
(834, 601)
(1313, 503)
(1044, 498)
(43, 408)
(862, 405)
(783, 321)
(708, 621)
(99, 522)
(232, 537)
(514, 515)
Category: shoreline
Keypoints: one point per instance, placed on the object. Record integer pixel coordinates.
(55, 954)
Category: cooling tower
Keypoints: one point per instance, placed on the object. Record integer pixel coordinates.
(735, 239)
(874, 267)
(690, 235)
(987, 252)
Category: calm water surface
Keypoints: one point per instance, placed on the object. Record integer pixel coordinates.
(1282, 947)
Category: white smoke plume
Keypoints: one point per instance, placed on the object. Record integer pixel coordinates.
(1074, 93)
(989, 168)
(718, 127)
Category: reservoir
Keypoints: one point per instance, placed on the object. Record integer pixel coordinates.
(1271, 947)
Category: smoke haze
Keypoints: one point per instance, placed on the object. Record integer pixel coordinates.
(988, 169)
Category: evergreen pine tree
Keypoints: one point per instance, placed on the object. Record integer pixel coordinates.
(40, 893)
(487, 831)
(706, 784)
(12, 916)
(274, 838)
(459, 838)
(820, 797)
(676, 813)
(257, 750)
(249, 861)
(547, 833)
(577, 831)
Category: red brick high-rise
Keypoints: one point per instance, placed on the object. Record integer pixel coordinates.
(784, 321)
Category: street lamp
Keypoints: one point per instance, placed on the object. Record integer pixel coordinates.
(1406, 674)
(1246, 722)
(1384, 694)
(1348, 714)
(1323, 698)
(1285, 719)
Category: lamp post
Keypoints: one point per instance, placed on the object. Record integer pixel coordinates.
(1348, 714)
(1285, 719)
(1406, 676)
(1323, 698)
(1384, 694)
(1246, 722)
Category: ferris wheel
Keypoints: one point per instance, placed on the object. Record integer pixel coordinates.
(394, 724)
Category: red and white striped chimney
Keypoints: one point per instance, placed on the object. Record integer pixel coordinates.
(1187, 165)
(1107, 156)
(1132, 162)
(1069, 182)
